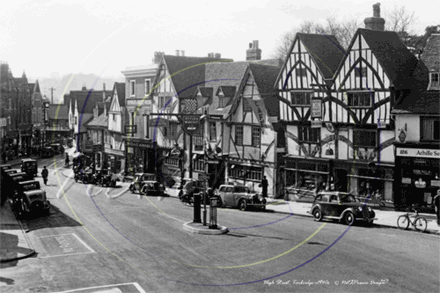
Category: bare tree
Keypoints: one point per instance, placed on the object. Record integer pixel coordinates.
(400, 20)
(343, 31)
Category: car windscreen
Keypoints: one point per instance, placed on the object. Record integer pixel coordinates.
(347, 198)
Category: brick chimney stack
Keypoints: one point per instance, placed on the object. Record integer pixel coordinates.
(376, 22)
(253, 53)
(177, 52)
(182, 52)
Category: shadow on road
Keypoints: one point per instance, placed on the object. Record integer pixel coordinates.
(54, 220)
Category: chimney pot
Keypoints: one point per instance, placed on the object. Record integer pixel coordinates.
(253, 53)
(177, 52)
(250, 45)
(182, 52)
(218, 55)
(376, 22)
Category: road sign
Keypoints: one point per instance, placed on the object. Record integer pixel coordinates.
(191, 123)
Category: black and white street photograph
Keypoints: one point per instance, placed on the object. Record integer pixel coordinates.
(225, 146)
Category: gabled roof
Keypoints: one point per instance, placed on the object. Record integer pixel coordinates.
(265, 77)
(58, 112)
(401, 66)
(84, 118)
(100, 121)
(188, 72)
(325, 51)
(86, 99)
(225, 75)
(426, 102)
(228, 91)
(120, 90)
(431, 53)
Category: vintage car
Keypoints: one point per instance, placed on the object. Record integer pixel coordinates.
(239, 196)
(152, 187)
(105, 178)
(341, 206)
(30, 167)
(29, 198)
(11, 178)
(5, 167)
(10, 171)
(139, 181)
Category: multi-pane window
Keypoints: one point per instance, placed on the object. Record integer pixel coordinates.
(199, 165)
(212, 131)
(434, 79)
(147, 86)
(238, 135)
(162, 102)
(245, 172)
(246, 105)
(430, 128)
(309, 134)
(256, 135)
(360, 72)
(362, 99)
(132, 87)
(300, 98)
(198, 142)
(364, 138)
(301, 72)
(172, 161)
(172, 129)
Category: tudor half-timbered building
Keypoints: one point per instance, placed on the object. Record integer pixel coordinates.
(377, 71)
(303, 84)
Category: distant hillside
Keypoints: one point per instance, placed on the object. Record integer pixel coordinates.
(70, 82)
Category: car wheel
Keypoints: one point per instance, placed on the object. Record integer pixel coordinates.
(242, 205)
(349, 218)
(317, 214)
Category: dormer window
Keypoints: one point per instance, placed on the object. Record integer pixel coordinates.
(434, 79)
(222, 101)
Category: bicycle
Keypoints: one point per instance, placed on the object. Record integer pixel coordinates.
(419, 222)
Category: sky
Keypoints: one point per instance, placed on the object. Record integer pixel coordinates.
(58, 37)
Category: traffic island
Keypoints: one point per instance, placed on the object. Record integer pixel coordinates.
(200, 229)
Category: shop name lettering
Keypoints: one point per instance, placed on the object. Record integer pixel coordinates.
(422, 153)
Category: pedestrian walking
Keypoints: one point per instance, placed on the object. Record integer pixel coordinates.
(67, 160)
(264, 184)
(437, 206)
(44, 174)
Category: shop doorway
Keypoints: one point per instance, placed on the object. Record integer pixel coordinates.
(341, 181)
(150, 161)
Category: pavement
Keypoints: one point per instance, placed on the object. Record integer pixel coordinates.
(15, 244)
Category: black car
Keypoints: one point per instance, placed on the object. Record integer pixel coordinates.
(341, 206)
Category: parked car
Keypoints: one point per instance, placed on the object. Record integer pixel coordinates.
(341, 206)
(105, 178)
(29, 198)
(5, 167)
(30, 167)
(139, 181)
(152, 187)
(191, 186)
(58, 148)
(239, 196)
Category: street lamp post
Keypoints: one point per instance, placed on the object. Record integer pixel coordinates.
(204, 119)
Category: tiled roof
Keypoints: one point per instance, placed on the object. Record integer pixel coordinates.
(86, 99)
(84, 119)
(426, 102)
(265, 77)
(206, 92)
(58, 112)
(120, 89)
(188, 72)
(431, 53)
(100, 121)
(226, 74)
(401, 66)
(228, 91)
(325, 50)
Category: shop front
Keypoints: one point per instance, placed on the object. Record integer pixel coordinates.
(368, 181)
(417, 176)
(113, 159)
(302, 176)
(141, 156)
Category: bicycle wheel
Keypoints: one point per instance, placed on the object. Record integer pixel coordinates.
(403, 222)
(421, 224)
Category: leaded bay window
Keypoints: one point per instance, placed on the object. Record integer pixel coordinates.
(256, 136)
(308, 134)
(301, 98)
(360, 99)
(239, 135)
(365, 138)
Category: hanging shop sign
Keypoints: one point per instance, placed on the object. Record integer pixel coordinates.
(98, 148)
(316, 108)
(159, 122)
(191, 123)
(418, 153)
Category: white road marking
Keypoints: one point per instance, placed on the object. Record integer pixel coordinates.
(63, 244)
(117, 195)
(66, 254)
(83, 243)
(136, 285)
